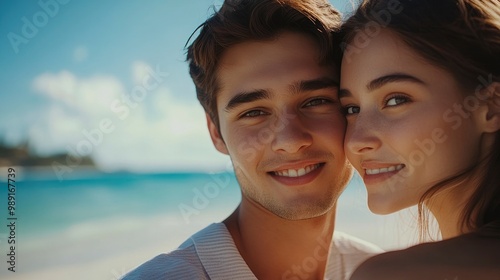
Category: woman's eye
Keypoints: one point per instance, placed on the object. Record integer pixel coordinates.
(317, 102)
(349, 110)
(396, 100)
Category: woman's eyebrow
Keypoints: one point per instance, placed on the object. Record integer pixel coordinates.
(382, 81)
(392, 78)
(344, 93)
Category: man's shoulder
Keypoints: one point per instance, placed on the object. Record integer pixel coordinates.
(348, 252)
(182, 263)
(210, 251)
(348, 244)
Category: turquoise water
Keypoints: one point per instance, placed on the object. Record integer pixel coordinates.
(109, 223)
(44, 204)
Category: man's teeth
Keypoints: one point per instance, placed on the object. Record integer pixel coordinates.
(385, 169)
(297, 172)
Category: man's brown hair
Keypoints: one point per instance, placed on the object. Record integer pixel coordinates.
(240, 21)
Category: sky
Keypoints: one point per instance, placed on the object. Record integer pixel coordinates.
(107, 79)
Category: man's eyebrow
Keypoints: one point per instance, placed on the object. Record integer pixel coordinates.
(308, 85)
(381, 81)
(391, 78)
(246, 97)
(316, 84)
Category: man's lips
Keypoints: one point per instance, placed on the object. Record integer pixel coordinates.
(297, 172)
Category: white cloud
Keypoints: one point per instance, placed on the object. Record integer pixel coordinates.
(156, 133)
(176, 138)
(54, 130)
(140, 70)
(90, 97)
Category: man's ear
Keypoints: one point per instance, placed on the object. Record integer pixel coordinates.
(490, 117)
(216, 137)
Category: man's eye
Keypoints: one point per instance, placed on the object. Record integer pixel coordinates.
(253, 113)
(349, 110)
(396, 100)
(317, 102)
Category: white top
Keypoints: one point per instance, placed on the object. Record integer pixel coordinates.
(212, 254)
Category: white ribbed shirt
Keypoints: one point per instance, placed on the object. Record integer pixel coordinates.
(212, 254)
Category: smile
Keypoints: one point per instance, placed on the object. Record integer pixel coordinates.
(297, 172)
(384, 170)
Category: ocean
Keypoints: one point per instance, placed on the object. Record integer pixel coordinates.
(95, 225)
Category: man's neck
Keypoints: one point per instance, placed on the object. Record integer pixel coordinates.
(276, 248)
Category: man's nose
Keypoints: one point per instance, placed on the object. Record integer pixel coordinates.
(290, 134)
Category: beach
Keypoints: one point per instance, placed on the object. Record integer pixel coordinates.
(100, 226)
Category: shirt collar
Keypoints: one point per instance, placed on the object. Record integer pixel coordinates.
(219, 255)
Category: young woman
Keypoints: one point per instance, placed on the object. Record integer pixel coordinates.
(420, 88)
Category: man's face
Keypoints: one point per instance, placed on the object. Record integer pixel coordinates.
(281, 124)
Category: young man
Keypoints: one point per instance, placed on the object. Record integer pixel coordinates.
(265, 75)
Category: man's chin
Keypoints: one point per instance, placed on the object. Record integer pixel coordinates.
(297, 212)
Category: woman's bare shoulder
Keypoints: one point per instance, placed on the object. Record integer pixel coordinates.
(465, 257)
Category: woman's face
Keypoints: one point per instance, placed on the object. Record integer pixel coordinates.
(409, 125)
